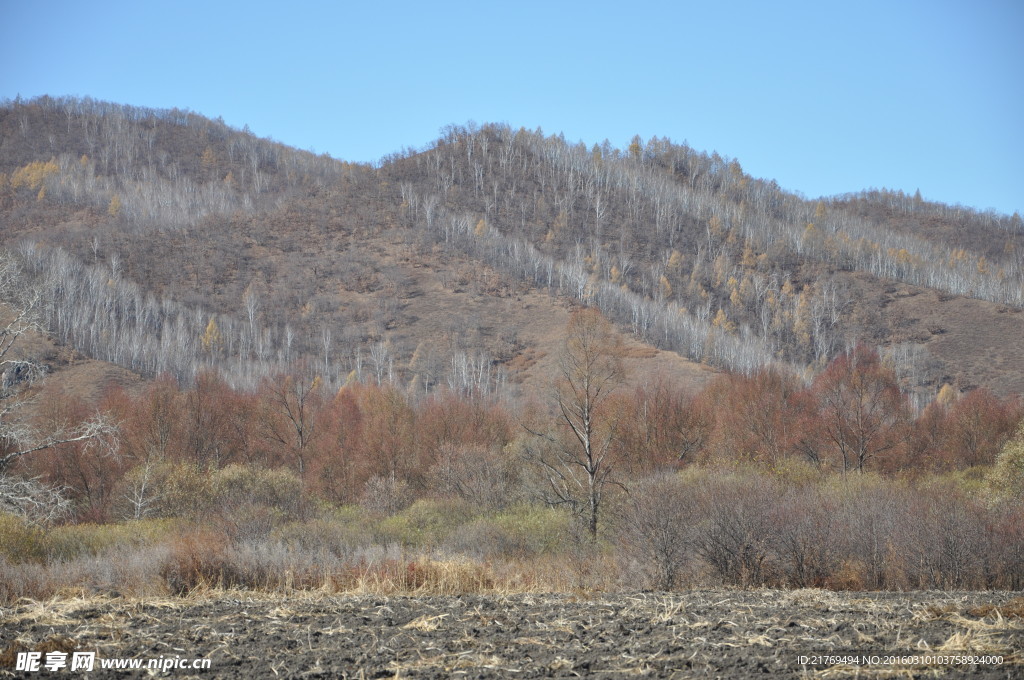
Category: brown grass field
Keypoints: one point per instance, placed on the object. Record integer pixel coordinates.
(700, 633)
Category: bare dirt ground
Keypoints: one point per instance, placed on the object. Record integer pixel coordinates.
(720, 633)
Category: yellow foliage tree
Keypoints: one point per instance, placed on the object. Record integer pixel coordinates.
(901, 255)
(636, 147)
(802, 321)
(746, 288)
(114, 208)
(946, 395)
(722, 321)
(749, 258)
(715, 226)
(208, 159)
(34, 174)
(1007, 476)
(665, 287)
(211, 338)
(721, 267)
(736, 172)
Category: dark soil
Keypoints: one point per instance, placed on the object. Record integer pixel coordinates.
(723, 634)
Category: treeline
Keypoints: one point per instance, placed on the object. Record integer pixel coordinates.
(343, 444)
(990, 234)
(681, 246)
(756, 480)
(94, 309)
(364, 443)
(690, 233)
(716, 341)
(152, 168)
(851, 419)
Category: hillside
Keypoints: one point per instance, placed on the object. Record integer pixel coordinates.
(500, 363)
(458, 263)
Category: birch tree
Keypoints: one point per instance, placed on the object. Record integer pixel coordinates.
(21, 306)
(578, 464)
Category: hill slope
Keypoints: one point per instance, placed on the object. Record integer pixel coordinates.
(184, 243)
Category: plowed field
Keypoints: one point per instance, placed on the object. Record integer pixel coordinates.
(804, 633)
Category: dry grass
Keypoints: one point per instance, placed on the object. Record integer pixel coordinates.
(1012, 609)
(203, 564)
(426, 623)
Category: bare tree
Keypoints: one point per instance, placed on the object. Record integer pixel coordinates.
(294, 405)
(18, 438)
(25, 439)
(864, 414)
(656, 529)
(578, 465)
(33, 500)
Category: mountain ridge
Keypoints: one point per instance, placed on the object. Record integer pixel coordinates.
(293, 254)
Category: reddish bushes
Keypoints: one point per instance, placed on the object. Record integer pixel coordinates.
(199, 559)
(809, 509)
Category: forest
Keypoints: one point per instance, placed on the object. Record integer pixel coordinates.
(502, 362)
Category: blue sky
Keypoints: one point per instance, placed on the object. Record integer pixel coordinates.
(823, 97)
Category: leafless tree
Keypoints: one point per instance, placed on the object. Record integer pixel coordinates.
(18, 437)
(656, 527)
(34, 501)
(578, 465)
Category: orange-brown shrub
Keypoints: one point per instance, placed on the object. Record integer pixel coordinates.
(199, 559)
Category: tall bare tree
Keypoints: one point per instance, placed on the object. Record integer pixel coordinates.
(577, 462)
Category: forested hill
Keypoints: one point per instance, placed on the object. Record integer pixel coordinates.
(170, 242)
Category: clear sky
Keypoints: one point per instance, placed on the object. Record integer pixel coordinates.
(824, 97)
